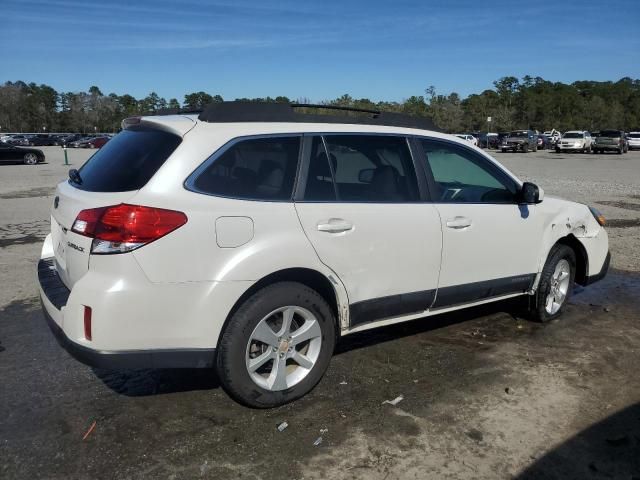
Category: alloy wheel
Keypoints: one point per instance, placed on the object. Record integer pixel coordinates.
(30, 159)
(559, 287)
(283, 348)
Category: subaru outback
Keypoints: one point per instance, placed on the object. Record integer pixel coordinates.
(251, 238)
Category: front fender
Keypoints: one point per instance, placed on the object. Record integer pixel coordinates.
(566, 220)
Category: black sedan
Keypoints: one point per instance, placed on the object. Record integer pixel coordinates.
(28, 156)
(43, 141)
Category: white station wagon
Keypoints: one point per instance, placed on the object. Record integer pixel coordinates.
(252, 237)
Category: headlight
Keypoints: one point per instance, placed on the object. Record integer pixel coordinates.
(598, 216)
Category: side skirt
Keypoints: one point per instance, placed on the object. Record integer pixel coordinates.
(415, 304)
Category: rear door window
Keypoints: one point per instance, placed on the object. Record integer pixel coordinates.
(365, 168)
(253, 169)
(128, 161)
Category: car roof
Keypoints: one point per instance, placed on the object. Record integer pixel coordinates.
(284, 113)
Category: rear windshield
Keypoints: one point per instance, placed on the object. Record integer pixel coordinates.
(573, 135)
(127, 161)
(634, 135)
(609, 133)
(519, 134)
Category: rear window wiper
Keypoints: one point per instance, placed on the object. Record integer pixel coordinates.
(75, 177)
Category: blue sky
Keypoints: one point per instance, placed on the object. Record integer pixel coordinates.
(382, 50)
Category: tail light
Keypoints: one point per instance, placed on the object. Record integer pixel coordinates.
(122, 228)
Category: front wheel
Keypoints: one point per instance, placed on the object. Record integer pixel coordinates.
(277, 345)
(556, 284)
(30, 159)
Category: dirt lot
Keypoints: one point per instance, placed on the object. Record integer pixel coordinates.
(486, 393)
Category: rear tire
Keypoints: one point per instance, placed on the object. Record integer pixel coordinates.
(30, 158)
(242, 344)
(556, 284)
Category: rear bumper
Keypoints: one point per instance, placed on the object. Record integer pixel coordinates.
(133, 359)
(611, 147)
(54, 296)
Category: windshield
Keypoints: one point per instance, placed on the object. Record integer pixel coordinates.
(634, 135)
(518, 134)
(573, 135)
(609, 133)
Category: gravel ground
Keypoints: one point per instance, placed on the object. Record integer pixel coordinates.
(486, 394)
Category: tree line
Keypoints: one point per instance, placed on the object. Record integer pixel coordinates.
(513, 103)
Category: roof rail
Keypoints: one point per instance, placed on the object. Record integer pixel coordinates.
(228, 112)
(172, 111)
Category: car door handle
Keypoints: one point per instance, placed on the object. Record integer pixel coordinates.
(459, 223)
(335, 225)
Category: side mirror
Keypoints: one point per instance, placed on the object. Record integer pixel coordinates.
(366, 175)
(530, 193)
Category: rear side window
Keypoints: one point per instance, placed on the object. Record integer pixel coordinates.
(253, 169)
(364, 168)
(128, 161)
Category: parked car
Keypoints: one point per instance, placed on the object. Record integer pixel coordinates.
(634, 140)
(253, 246)
(97, 142)
(18, 140)
(611, 140)
(66, 140)
(42, 140)
(520, 141)
(543, 141)
(82, 142)
(469, 138)
(575, 141)
(13, 153)
(554, 135)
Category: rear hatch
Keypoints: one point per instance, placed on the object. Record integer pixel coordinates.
(609, 136)
(112, 176)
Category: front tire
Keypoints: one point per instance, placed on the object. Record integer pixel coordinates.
(556, 284)
(276, 346)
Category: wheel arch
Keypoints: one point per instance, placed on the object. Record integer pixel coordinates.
(313, 279)
(582, 258)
